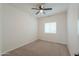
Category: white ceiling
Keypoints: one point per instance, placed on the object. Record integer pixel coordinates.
(56, 8)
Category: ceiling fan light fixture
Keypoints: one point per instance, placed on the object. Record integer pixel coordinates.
(41, 11)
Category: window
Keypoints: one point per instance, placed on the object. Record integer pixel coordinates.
(50, 27)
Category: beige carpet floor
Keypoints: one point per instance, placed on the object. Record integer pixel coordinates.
(40, 48)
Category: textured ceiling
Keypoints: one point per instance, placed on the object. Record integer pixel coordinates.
(56, 8)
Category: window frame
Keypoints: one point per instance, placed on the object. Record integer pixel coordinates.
(51, 31)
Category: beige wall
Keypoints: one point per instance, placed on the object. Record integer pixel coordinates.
(0, 27)
(78, 29)
(60, 36)
(73, 41)
(19, 28)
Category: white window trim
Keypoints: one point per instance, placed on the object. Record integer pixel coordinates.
(49, 31)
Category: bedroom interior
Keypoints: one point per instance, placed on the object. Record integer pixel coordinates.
(39, 29)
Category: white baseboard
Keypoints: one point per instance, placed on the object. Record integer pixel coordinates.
(18, 47)
(55, 41)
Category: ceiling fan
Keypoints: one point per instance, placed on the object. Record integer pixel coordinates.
(41, 9)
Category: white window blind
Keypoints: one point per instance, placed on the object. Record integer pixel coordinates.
(50, 27)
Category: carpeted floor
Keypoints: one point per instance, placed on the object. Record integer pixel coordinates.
(40, 48)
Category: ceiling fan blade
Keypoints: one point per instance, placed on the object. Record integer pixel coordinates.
(44, 12)
(35, 8)
(37, 12)
(47, 9)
